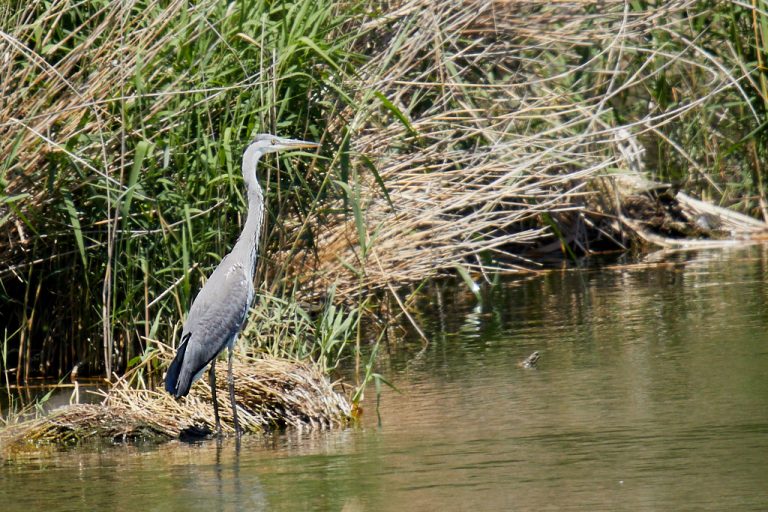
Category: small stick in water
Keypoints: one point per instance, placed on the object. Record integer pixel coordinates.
(530, 361)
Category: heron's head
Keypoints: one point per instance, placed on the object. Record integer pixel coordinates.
(266, 143)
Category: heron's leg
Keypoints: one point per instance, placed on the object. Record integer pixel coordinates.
(212, 382)
(231, 382)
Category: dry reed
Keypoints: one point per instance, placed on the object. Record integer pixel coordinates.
(511, 115)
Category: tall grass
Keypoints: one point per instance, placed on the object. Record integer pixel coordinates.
(455, 135)
(122, 125)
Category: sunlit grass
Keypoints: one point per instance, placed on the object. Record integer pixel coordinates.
(122, 172)
(454, 136)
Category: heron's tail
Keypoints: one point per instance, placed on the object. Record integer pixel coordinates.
(172, 384)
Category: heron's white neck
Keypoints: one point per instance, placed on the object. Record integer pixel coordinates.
(247, 245)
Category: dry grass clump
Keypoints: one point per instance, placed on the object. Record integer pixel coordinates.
(271, 394)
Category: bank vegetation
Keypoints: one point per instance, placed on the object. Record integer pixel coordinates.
(477, 137)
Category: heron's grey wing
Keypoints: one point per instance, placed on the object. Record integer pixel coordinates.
(216, 316)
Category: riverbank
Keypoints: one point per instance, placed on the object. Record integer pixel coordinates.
(476, 136)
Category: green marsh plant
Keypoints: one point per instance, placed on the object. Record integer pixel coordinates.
(451, 133)
(122, 130)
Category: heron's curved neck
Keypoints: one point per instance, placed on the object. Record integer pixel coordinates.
(247, 245)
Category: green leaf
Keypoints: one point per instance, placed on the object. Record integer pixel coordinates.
(142, 149)
(396, 112)
(311, 44)
(464, 273)
(12, 199)
(354, 200)
(380, 182)
(75, 223)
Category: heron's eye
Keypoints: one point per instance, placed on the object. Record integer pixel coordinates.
(274, 142)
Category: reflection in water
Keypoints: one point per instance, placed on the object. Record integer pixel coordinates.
(650, 394)
(172, 477)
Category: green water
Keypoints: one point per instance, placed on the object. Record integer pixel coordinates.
(651, 394)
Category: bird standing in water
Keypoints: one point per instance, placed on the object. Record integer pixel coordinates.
(219, 310)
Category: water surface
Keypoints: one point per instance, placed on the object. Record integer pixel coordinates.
(651, 394)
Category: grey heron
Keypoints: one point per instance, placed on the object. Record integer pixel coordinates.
(220, 308)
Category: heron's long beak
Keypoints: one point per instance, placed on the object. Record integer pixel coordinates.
(296, 143)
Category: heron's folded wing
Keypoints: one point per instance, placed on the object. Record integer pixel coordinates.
(216, 316)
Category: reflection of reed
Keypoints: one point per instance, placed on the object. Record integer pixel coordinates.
(650, 375)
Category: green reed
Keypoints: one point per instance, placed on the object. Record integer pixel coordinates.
(138, 197)
(123, 126)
